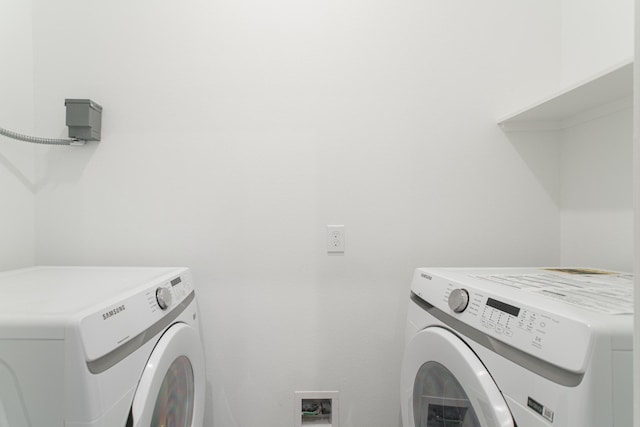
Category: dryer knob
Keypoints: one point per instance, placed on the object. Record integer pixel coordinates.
(458, 300)
(163, 297)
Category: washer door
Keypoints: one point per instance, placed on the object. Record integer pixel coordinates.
(445, 384)
(171, 389)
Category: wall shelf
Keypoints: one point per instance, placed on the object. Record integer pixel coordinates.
(603, 94)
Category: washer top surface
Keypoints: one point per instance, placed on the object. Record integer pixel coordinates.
(41, 292)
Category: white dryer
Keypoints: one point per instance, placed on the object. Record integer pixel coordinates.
(100, 347)
(528, 347)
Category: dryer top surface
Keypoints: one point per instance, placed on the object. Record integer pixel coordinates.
(52, 296)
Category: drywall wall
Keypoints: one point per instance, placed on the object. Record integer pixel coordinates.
(636, 219)
(596, 157)
(596, 34)
(597, 193)
(234, 132)
(17, 184)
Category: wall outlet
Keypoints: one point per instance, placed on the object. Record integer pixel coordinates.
(335, 238)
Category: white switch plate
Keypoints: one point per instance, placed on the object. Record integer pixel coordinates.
(335, 239)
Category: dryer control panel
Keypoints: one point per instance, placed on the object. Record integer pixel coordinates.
(123, 320)
(168, 294)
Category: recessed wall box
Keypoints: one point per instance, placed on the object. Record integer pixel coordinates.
(316, 409)
(84, 119)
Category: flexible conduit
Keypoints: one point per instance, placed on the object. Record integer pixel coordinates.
(36, 140)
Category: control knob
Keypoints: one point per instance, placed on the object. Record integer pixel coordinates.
(163, 297)
(458, 300)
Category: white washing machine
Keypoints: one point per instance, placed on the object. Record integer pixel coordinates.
(526, 347)
(100, 347)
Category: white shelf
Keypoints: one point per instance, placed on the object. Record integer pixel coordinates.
(605, 93)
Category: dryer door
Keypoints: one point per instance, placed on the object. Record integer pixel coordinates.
(445, 384)
(171, 388)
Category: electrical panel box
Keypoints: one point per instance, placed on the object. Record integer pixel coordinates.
(84, 119)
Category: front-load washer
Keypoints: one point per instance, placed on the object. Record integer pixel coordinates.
(100, 347)
(526, 347)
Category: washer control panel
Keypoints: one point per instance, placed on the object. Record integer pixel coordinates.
(519, 324)
(505, 320)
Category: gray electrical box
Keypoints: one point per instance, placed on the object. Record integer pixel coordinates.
(84, 119)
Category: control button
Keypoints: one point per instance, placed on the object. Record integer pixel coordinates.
(508, 333)
(163, 297)
(458, 300)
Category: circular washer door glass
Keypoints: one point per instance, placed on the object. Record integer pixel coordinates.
(439, 400)
(174, 404)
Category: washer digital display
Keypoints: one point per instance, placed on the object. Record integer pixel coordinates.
(502, 306)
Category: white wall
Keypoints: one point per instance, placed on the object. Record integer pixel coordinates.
(596, 34)
(234, 132)
(597, 193)
(17, 184)
(636, 231)
(596, 157)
